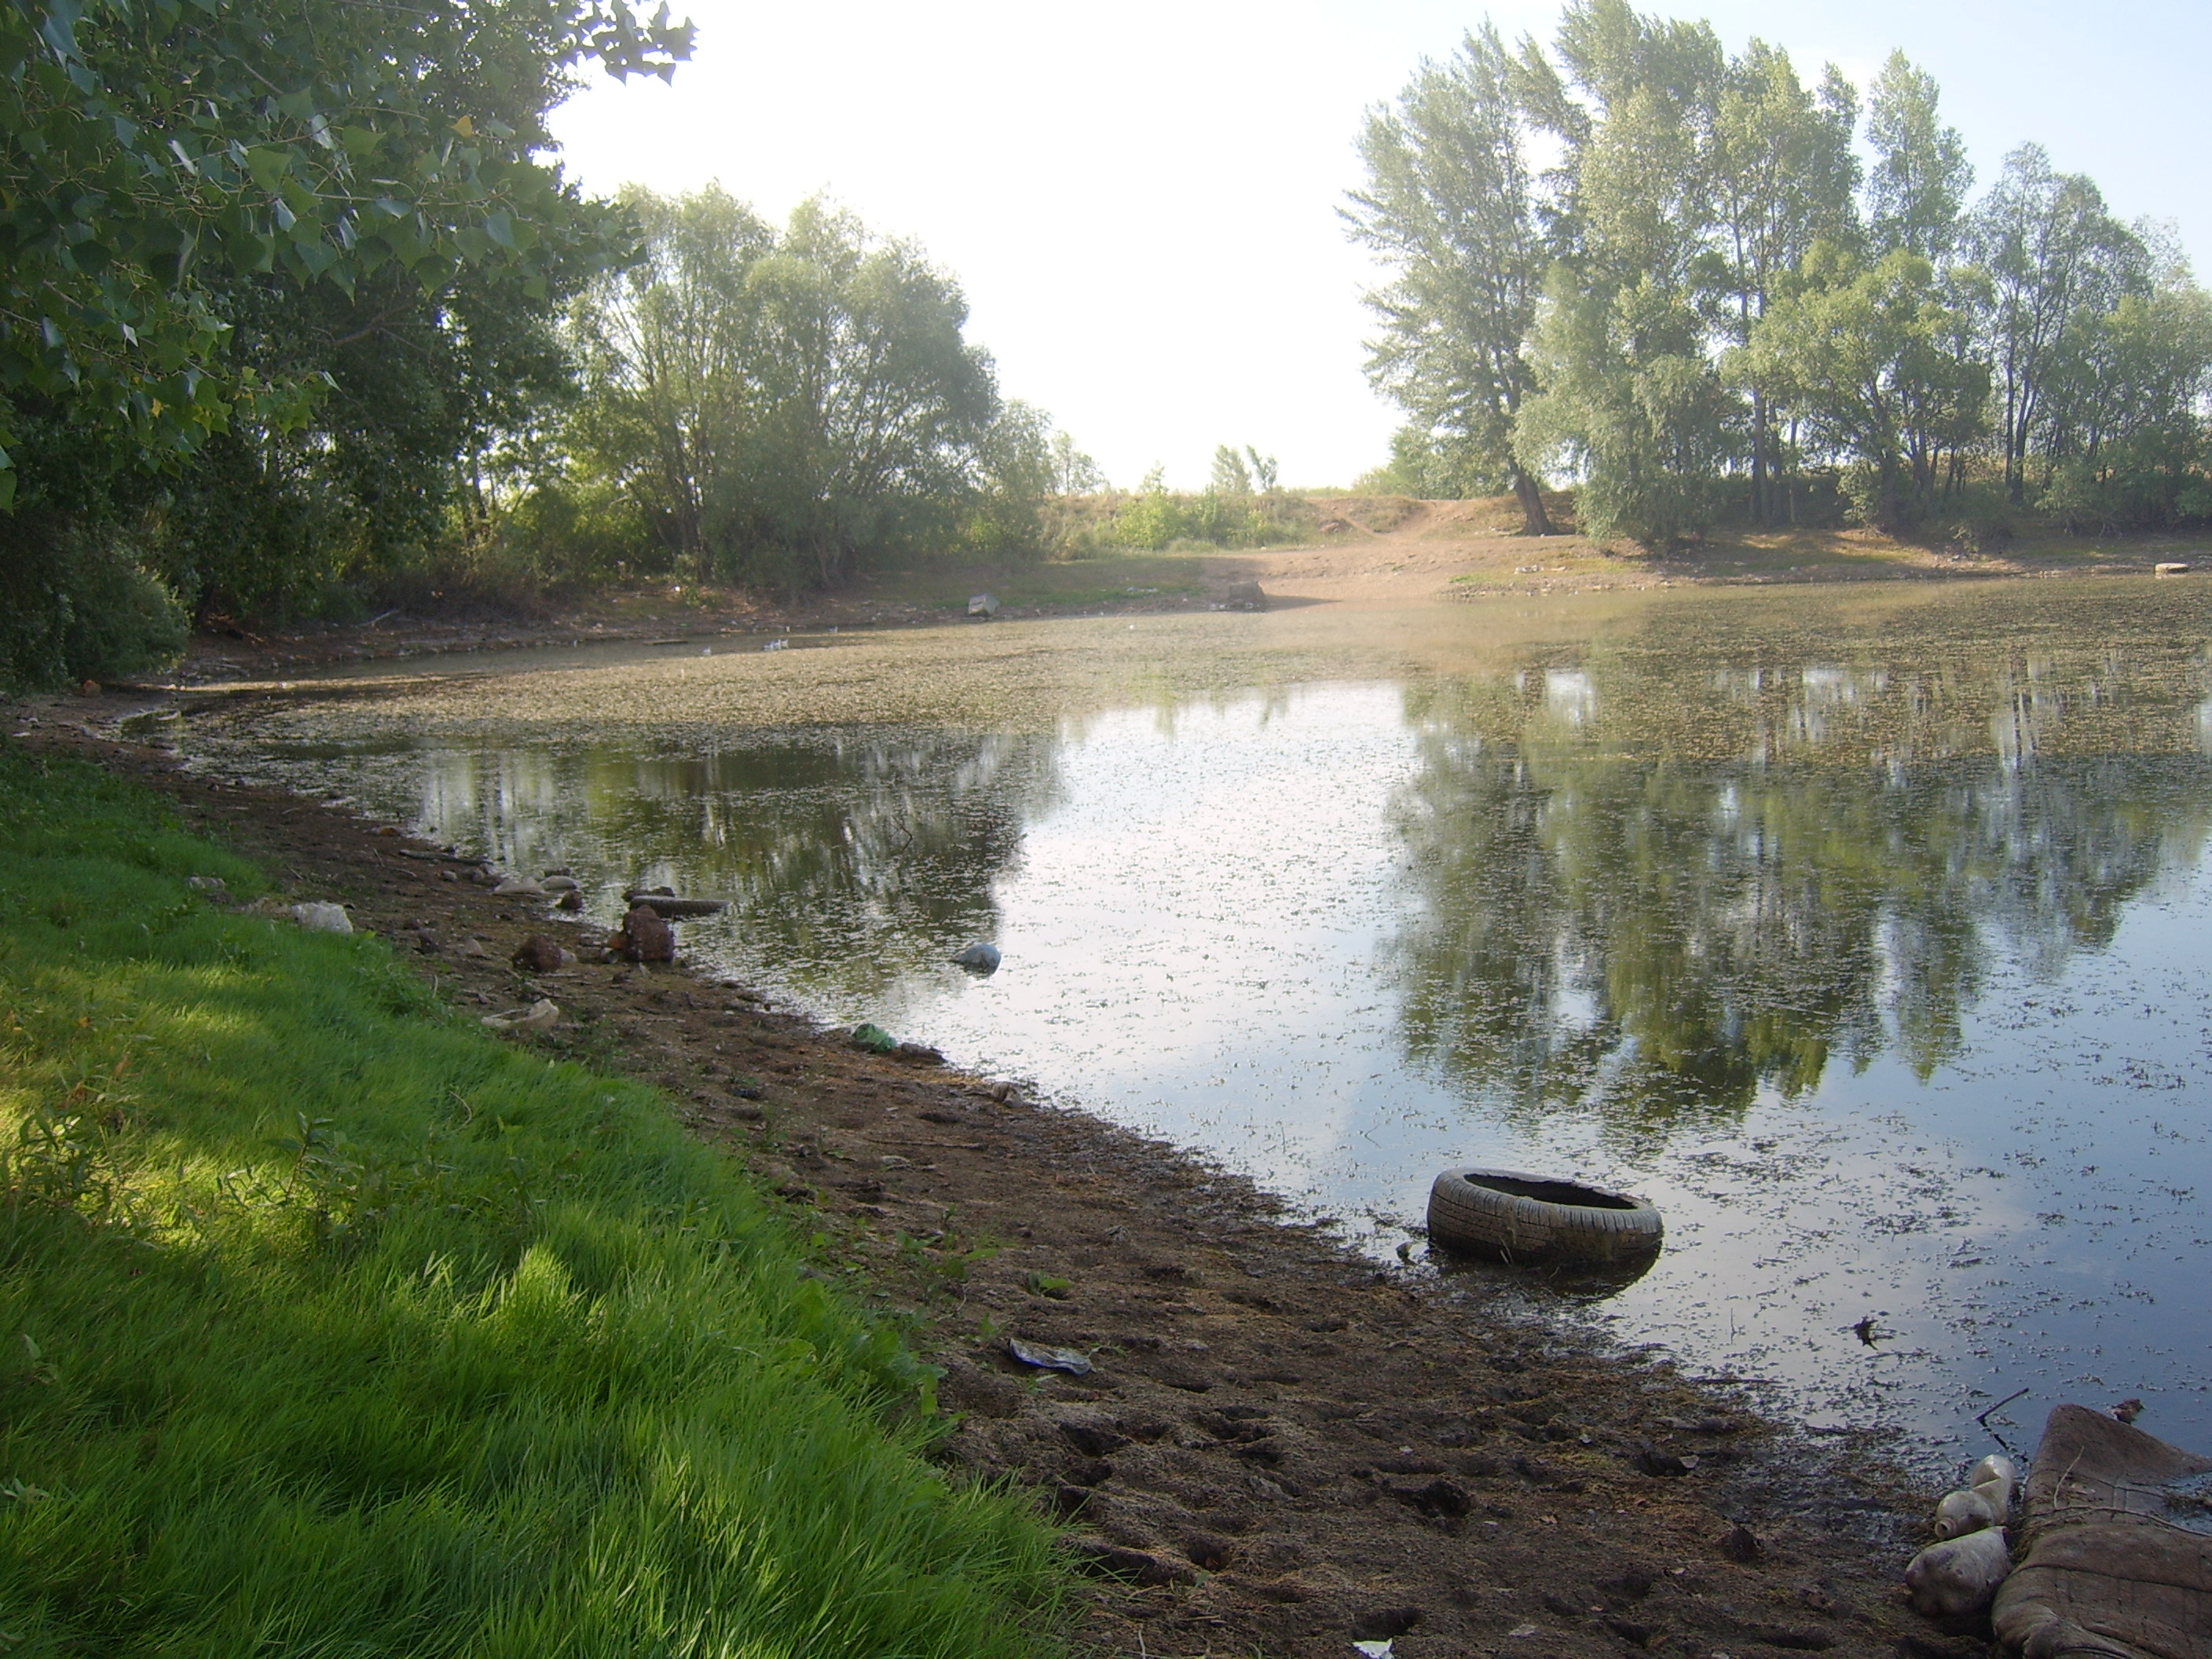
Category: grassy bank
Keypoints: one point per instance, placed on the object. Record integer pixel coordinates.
(330, 1325)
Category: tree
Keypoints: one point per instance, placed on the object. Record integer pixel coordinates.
(1014, 476)
(1632, 402)
(1230, 475)
(873, 405)
(1918, 184)
(1448, 208)
(1073, 472)
(1783, 175)
(667, 348)
(1630, 396)
(1430, 466)
(2125, 438)
(146, 149)
(2055, 259)
(1881, 370)
(209, 216)
(783, 405)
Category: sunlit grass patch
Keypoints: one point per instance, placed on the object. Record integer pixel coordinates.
(328, 1324)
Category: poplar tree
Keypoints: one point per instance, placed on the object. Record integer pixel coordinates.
(1449, 209)
(1882, 370)
(1918, 185)
(1782, 178)
(1630, 394)
(2056, 260)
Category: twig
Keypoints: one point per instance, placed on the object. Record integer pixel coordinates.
(1983, 1419)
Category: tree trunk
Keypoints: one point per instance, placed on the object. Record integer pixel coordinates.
(1526, 490)
(1761, 510)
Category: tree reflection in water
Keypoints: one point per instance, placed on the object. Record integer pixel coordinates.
(1647, 895)
(850, 858)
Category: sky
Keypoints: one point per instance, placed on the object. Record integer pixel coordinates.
(1140, 201)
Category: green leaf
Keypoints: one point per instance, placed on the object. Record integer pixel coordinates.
(58, 28)
(268, 164)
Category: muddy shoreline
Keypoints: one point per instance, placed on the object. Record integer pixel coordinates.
(1281, 1447)
(1413, 561)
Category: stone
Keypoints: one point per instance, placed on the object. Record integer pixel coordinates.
(540, 955)
(1244, 596)
(643, 937)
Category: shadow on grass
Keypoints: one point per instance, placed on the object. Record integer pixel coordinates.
(329, 1324)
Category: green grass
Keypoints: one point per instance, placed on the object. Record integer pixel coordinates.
(331, 1326)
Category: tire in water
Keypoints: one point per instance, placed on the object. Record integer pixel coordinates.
(1538, 1220)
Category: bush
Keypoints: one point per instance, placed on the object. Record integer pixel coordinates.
(80, 605)
(1156, 519)
(569, 532)
(1979, 519)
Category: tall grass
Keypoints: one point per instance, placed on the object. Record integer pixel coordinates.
(330, 1326)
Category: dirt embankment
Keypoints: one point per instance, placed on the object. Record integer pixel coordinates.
(1281, 1448)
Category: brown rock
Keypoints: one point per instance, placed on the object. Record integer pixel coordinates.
(540, 955)
(643, 937)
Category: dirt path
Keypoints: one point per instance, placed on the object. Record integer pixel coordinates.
(1281, 1448)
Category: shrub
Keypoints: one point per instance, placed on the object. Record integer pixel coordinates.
(79, 604)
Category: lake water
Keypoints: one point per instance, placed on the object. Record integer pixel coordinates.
(1869, 932)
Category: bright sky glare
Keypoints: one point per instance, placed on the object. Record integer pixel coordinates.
(1140, 200)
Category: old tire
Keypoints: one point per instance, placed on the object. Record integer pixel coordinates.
(1538, 1220)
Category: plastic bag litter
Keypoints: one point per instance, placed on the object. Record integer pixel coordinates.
(1959, 1576)
(874, 1039)
(1373, 1650)
(1071, 1360)
(542, 1015)
(980, 956)
(319, 918)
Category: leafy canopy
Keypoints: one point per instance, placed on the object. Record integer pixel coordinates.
(149, 151)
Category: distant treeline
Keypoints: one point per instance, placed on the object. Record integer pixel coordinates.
(1639, 262)
(298, 317)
